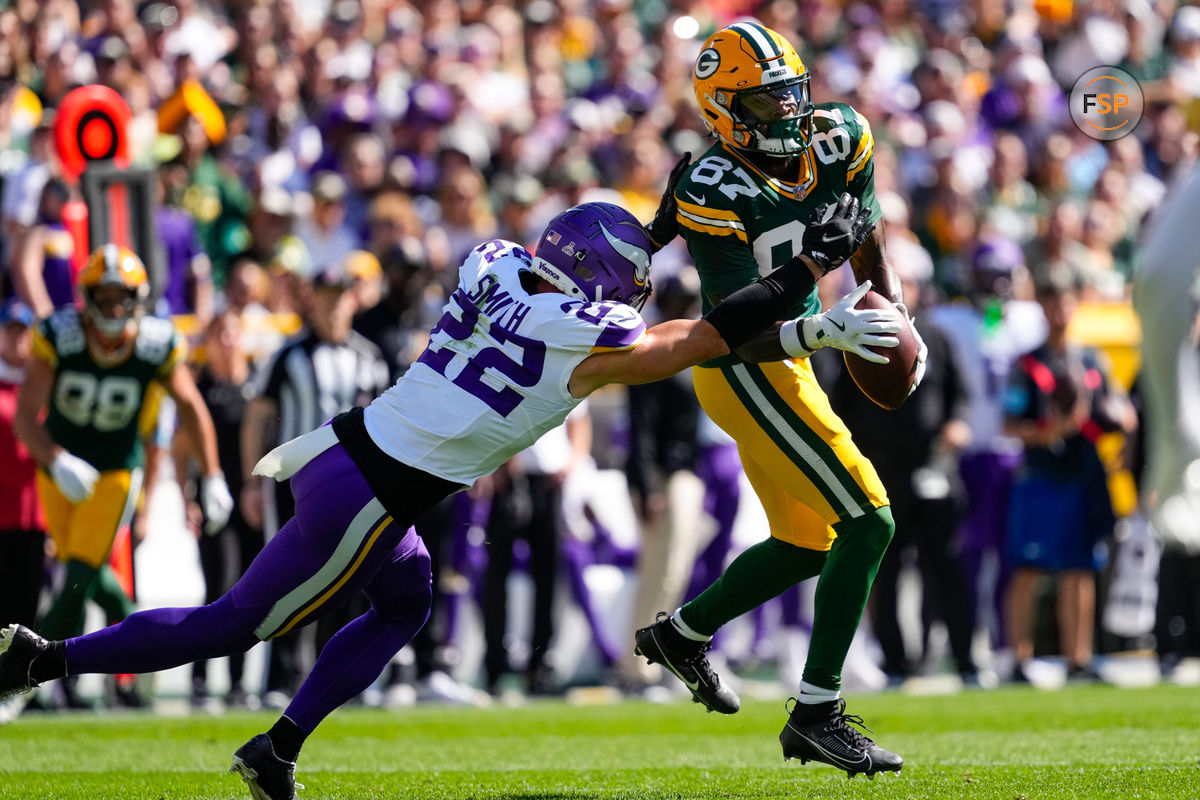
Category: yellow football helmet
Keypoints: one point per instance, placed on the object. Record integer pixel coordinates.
(753, 90)
(114, 265)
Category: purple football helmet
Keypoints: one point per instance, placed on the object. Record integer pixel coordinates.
(594, 252)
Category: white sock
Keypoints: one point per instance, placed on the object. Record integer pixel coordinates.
(684, 629)
(811, 695)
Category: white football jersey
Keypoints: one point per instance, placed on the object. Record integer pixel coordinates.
(494, 377)
(985, 358)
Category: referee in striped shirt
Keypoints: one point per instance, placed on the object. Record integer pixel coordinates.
(326, 369)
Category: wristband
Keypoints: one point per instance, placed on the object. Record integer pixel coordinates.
(790, 337)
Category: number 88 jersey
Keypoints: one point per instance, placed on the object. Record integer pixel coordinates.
(95, 402)
(740, 223)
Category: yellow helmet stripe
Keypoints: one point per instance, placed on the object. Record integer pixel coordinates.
(764, 47)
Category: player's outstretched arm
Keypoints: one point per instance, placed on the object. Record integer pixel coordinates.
(678, 344)
(666, 349)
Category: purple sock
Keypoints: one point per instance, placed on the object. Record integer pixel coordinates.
(160, 638)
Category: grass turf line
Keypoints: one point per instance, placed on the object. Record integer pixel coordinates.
(1009, 744)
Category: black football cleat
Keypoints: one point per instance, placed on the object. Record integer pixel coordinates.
(660, 643)
(822, 732)
(267, 775)
(19, 646)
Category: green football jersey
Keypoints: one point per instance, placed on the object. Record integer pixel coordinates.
(95, 405)
(740, 223)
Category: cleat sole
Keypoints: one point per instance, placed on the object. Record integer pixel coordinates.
(250, 776)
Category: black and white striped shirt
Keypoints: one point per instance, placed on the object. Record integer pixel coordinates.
(313, 380)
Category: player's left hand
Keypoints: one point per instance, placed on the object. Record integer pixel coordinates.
(922, 350)
(835, 233)
(216, 501)
(665, 226)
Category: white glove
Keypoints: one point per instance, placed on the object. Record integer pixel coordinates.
(844, 327)
(922, 350)
(75, 478)
(216, 501)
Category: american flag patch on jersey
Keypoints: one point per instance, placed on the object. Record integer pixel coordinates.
(552, 237)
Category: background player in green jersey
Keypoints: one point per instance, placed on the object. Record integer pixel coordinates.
(742, 208)
(91, 372)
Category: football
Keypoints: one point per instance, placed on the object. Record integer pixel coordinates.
(887, 384)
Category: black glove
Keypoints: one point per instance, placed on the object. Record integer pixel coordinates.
(833, 236)
(664, 227)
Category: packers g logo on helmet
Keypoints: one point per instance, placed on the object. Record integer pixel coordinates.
(707, 63)
(753, 90)
(114, 265)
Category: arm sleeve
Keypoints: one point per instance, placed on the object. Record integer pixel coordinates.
(752, 309)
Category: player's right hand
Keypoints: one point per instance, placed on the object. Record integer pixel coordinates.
(75, 478)
(844, 327)
(835, 233)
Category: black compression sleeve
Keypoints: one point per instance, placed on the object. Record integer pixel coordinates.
(752, 309)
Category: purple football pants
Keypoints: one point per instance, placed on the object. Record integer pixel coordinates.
(988, 479)
(340, 541)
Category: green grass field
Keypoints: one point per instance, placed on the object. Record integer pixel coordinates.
(1088, 742)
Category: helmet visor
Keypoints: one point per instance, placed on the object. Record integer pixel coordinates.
(775, 103)
(781, 112)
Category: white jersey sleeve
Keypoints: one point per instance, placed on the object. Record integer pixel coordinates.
(494, 376)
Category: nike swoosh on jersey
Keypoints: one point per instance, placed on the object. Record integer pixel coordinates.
(697, 200)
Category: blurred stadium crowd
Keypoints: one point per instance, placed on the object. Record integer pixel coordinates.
(366, 146)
